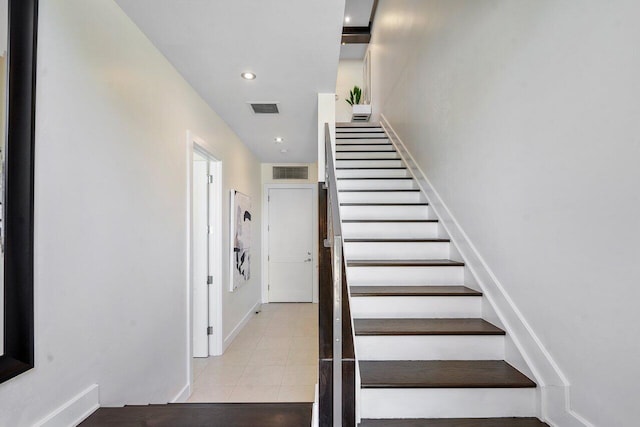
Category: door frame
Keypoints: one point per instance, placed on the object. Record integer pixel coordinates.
(265, 236)
(197, 144)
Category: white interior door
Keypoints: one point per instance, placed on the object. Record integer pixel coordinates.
(200, 256)
(290, 253)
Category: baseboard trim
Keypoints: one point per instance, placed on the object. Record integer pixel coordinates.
(555, 388)
(75, 410)
(183, 395)
(234, 333)
(315, 419)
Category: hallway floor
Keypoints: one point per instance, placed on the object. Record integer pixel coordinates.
(273, 359)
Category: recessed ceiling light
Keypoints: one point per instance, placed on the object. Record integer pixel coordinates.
(248, 75)
(343, 43)
(347, 19)
(279, 139)
(284, 150)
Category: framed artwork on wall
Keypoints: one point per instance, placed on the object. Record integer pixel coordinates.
(240, 244)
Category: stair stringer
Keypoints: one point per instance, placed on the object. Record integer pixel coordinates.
(524, 350)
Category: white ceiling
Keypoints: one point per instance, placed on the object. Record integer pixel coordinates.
(291, 45)
(359, 11)
(353, 51)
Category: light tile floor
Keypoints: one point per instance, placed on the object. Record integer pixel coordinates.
(273, 359)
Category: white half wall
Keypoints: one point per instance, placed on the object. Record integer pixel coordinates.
(111, 217)
(524, 117)
(350, 74)
(326, 114)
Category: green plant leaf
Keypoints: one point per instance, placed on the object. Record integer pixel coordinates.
(355, 96)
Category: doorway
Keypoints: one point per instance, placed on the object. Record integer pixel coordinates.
(206, 253)
(291, 243)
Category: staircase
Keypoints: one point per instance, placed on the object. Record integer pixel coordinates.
(426, 357)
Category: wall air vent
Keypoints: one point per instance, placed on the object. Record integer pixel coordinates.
(264, 107)
(291, 172)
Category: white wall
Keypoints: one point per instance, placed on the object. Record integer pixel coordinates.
(524, 116)
(349, 75)
(111, 214)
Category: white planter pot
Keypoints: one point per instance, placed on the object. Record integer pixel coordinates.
(361, 113)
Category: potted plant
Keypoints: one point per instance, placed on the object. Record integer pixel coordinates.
(361, 112)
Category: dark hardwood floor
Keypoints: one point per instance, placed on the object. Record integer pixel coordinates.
(204, 415)
(458, 422)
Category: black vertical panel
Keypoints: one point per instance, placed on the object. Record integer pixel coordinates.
(325, 393)
(348, 359)
(348, 392)
(325, 312)
(348, 351)
(19, 204)
(325, 299)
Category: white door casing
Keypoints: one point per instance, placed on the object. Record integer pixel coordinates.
(215, 257)
(290, 244)
(200, 256)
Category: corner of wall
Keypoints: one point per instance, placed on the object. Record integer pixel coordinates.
(554, 387)
(236, 330)
(183, 394)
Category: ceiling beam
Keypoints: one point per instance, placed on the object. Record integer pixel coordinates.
(360, 35)
(356, 38)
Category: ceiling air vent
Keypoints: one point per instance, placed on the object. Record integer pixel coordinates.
(291, 172)
(264, 107)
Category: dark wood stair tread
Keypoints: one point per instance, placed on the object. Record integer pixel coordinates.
(359, 240)
(384, 204)
(413, 291)
(425, 327)
(376, 177)
(366, 151)
(362, 143)
(388, 220)
(382, 190)
(404, 263)
(442, 374)
(343, 133)
(369, 159)
(455, 422)
(201, 414)
(361, 137)
(374, 167)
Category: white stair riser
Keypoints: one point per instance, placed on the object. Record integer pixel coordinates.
(371, 173)
(362, 141)
(373, 133)
(448, 403)
(405, 275)
(396, 250)
(385, 212)
(417, 230)
(368, 147)
(368, 163)
(430, 347)
(371, 128)
(416, 307)
(367, 155)
(380, 197)
(376, 184)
